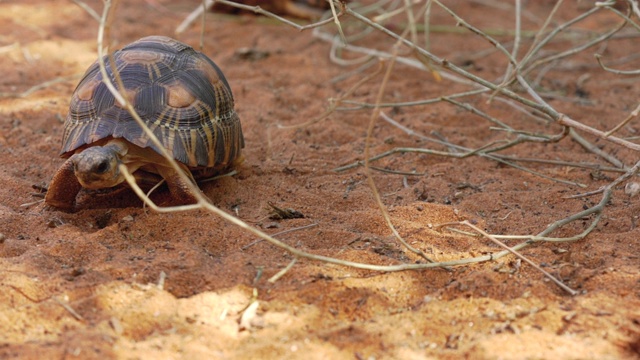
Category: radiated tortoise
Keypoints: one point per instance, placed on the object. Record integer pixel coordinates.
(180, 94)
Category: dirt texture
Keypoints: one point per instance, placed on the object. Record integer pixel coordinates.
(113, 280)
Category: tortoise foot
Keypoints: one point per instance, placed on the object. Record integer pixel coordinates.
(63, 189)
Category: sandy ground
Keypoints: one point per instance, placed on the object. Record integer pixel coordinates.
(85, 284)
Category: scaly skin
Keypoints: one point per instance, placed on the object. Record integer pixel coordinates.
(64, 188)
(97, 167)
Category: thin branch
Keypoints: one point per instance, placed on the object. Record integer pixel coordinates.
(567, 121)
(614, 71)
(374, 115)
(40, 86)
(88, 9)
(282, 272)
(520, 256)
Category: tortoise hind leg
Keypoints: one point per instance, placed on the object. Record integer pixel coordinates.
(64, 187)
(178, 187)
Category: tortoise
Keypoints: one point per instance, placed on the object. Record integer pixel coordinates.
(180, 94)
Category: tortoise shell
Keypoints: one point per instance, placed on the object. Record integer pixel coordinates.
(179, 93)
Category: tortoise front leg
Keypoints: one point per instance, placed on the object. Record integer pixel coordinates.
(178, 187)
(64, 187)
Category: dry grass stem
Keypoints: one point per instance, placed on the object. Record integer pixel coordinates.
(40, 86)
(69, 309)
(88, 9)
(282, 272)
(632, 115)
(280, 233)
(520, 256)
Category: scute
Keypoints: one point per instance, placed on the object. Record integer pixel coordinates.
(85, 91)
(180, 94)
(141, 57)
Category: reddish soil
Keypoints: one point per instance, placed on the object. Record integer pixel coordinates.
(85, 284)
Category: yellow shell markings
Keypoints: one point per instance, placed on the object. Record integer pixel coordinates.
(84, 97)
(141, 57)
(211, 136)
(188, 136)
(149, 59)
(210, 73)
(150, 62)
(85, 92)
(222, 94)
(223, 127)
(227, 136)
(209, 129)
(178, 100)
(192, 143)
(179, 96)
(129, 95)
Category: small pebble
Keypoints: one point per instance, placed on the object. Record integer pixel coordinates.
(632, 189)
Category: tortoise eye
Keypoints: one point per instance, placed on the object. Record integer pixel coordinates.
(102, 167)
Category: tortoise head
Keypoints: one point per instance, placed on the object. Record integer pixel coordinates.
(96, 167)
